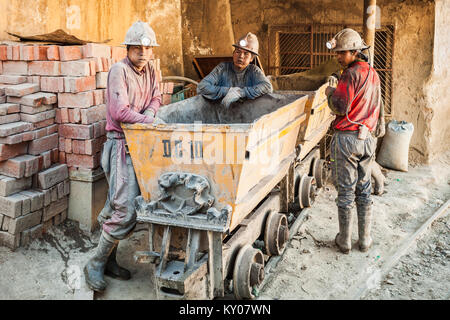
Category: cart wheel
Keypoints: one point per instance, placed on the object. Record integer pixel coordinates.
(248, 272)
(276, 233)
(319, 172)
(307, 191)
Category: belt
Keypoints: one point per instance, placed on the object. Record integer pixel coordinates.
(118, 136)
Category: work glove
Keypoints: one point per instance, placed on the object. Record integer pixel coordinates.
(158, 120)
(333, 81)
(233, 95)
(149, 112)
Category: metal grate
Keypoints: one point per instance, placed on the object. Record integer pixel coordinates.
(296, 48)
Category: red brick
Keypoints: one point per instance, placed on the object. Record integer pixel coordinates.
(83, 161)
(54, 153)
(76, 131)
(1, 67)
(15, 67)
(38, 117)
(14, 128)
(79, 68)
(68, 53)
(76, 100)
(3, 53)
(101, 79)
(42, 124)
(9, 185)
(79, 84)
(34, 110)
(96, 50)
(23, 89)
(13, 52)
(21, 166)
(26, 53)
(65, 115)
(35, 99)
(13, 139)
(55, 208)
(52, 129)
(44, 68)
(74, 115)
(9, 118)
(94, 146)
(52, 84)
(40, 52)
(106, 64)
(43, 144)
(62, 157)
(166, 99)
(53, 53)
(78, 146)
(98, 64)
(118, 53)
(47, 159)
(52, 176)
(99, 128)
(34, 79)
(8, 151)
(68, 146)
(98, 97)
(11, 79)
(93, 114)
(8, 108)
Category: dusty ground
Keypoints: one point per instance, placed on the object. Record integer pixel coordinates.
(311, 268)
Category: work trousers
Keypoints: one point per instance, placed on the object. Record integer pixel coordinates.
(351, 162)
(118, 217)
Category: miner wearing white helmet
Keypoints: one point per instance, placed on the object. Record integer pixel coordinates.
(232, 81)
(132, 97)
(356, 101)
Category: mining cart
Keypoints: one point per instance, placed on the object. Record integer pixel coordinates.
(215, 183)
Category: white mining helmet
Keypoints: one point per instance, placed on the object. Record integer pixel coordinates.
(140, 34)
(347, 39)
(249, 42)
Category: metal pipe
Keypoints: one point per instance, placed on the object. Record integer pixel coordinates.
(369, 24)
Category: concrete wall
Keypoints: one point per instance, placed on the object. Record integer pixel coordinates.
(207, 30)
(437, 88)
(413, 56)
(99, 21)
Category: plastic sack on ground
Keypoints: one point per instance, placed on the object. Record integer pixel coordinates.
(394, 149)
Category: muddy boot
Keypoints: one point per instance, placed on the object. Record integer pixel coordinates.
(364, 226)
(114, 270)
(95, 267)
(344, 238)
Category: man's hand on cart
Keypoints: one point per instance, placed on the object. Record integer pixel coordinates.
(233, 95)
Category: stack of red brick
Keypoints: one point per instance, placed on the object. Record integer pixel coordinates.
(34, 188)
(52, 124)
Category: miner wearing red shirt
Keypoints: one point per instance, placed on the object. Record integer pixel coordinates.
(356, 102)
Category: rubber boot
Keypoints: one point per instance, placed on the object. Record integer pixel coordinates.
(364, 227)
(344, 238)
(95, 267)
(114, 270)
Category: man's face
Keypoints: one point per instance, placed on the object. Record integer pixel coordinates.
(345, 57)
(139, 55)
(241, 58)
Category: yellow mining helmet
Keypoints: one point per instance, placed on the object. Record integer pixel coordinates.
(248, 42)
(140, 34)
(347, 39)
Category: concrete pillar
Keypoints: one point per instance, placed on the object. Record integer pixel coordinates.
(369, 24)
(87, 198)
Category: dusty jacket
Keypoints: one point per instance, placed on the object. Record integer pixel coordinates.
(129, 93)
(366, 106)
(217, 83)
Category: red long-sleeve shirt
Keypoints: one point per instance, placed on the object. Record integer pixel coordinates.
(366, 106)
(129, 93)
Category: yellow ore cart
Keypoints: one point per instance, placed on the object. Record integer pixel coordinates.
(217, 186)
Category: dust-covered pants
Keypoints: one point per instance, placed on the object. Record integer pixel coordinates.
(118, 217)
(351, 161)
